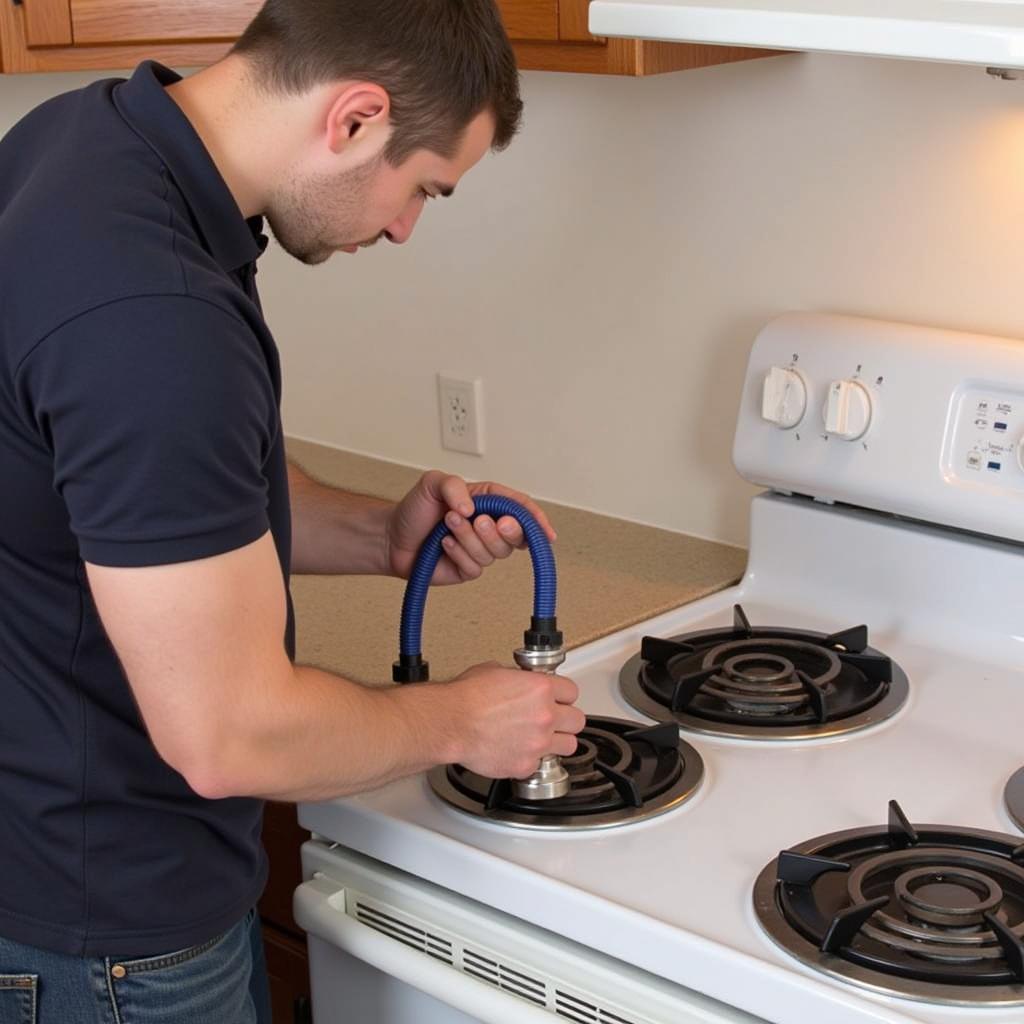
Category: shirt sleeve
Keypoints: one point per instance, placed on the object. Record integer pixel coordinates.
(160, 414)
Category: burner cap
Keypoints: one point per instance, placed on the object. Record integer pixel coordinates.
(927, 912)
(621, 772)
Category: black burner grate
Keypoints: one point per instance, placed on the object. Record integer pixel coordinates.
(621, 771)
(747, 680)
(930, 912)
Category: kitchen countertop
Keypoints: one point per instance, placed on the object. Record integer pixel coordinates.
(611, 574)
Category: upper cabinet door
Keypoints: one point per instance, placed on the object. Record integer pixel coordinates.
(530, 19)
(48, 23)
(114, 22)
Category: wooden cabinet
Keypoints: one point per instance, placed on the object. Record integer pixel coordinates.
(288, 970)
(64, 35)
(283, 940)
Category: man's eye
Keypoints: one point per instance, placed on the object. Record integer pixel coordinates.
(426, 195)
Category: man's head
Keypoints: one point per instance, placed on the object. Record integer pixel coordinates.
(407, 95)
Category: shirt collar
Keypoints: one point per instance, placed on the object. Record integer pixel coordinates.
(143, 102)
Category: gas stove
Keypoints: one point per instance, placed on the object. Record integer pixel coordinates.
(852, 852)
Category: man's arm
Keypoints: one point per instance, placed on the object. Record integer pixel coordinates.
(201, 644)
(334, 531)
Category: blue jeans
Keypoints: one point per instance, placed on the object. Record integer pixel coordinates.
(223, 981)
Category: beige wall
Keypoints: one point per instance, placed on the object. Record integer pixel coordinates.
(606, 276)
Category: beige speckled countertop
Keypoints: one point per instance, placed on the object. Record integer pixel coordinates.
(611, 574)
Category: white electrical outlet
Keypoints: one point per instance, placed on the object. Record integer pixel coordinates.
(462, 414)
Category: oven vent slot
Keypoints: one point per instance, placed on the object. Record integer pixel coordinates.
(539, 986)
(583, 1012)
(504, 977)
(395, 925)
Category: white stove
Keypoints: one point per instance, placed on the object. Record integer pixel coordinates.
(420, 912)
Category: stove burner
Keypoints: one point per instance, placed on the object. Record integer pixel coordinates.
(764, 683)
(621, 772)
(1014, 797)
(930, 913)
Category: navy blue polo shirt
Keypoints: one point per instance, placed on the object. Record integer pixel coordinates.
(139, 425)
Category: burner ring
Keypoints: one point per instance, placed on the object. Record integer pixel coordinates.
(758, 682)
(585, 780)
(593, 735)
(966, 937)
(755, 680)
(770, 648)
(943, 948)
(954, 938)
(925, 894)
(581, 765)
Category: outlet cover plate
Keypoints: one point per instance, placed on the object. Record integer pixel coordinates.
(461, 407)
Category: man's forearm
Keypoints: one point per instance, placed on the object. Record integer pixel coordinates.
(334, 531)
(315, 736)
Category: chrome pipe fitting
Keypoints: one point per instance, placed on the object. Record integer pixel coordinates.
(550, 780)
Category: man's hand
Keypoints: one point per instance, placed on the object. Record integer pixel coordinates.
(509, 719)
(472, 545)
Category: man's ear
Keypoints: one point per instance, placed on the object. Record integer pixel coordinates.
(358, 110)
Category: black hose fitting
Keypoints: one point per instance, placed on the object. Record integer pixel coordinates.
(543, 633)
(410, 668)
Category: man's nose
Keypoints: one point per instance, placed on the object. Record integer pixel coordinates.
(401, 228)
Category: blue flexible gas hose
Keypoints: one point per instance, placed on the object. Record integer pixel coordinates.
(543, 631)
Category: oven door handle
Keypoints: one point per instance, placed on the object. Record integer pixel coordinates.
(319, 908)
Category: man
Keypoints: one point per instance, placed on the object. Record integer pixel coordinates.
(149, 699)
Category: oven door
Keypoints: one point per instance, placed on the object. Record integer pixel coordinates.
(386, 946)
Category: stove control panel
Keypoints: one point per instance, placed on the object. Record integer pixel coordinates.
(923, 423)
(988, 437)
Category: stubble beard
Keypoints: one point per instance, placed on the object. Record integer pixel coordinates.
(298, 213)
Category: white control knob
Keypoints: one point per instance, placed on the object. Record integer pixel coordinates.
(1020, 453)
(783, 398)
(847, 410)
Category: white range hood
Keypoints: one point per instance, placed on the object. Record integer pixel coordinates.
(988, 32)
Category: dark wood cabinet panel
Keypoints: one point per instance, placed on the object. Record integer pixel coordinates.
(288, 970)
(283, 940)
(282, 839)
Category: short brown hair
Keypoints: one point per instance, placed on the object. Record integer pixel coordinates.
(442, 62)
